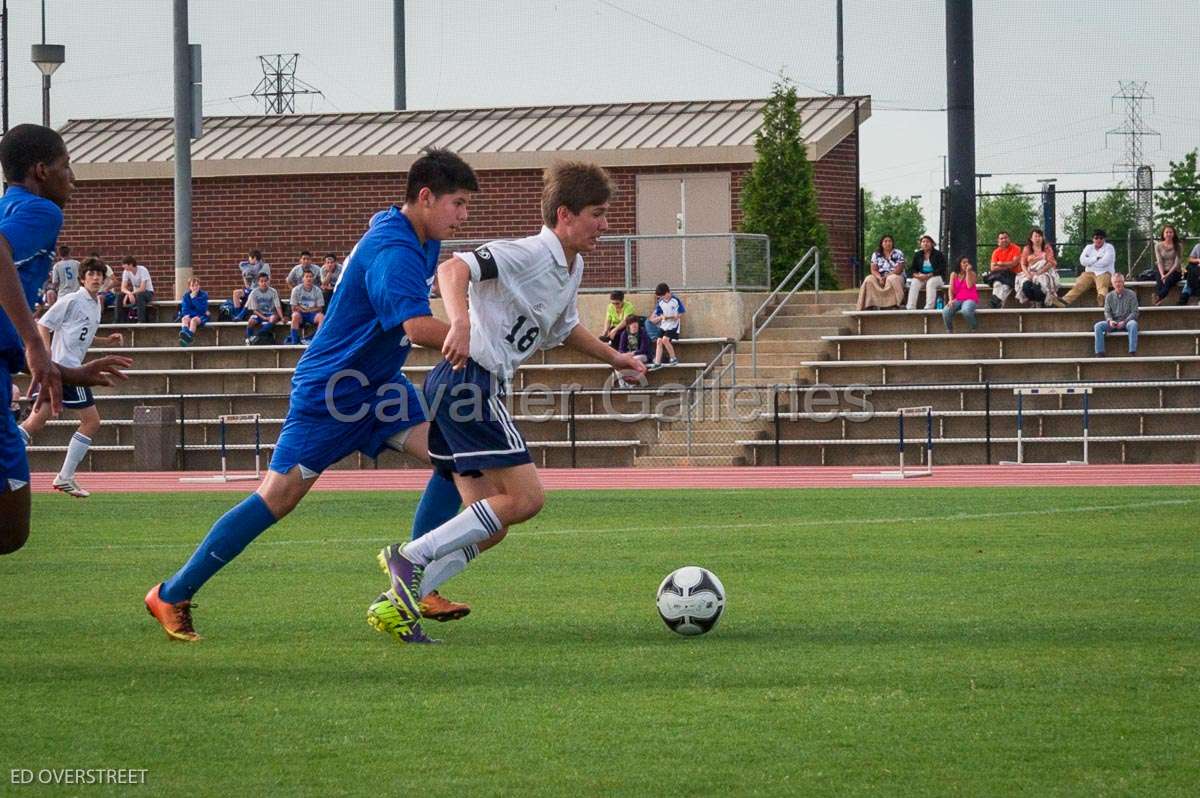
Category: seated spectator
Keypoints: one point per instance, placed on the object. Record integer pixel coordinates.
(668, 310)
(964, 296)
(331, 272)
(1192, 286)
(1006, 263)
(633, 340)
(308, 305)
(619, 310)
(1120, 315)
(250, 268)
(265, 311)
(1099, 261)
(928, 272)
(193, 312)
(137, 289)
(64, 277)
(884, 286)
(1168, 260)
(1037, 281)
(306, 264)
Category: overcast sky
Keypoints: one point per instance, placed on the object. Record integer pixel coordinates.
(1046, 70)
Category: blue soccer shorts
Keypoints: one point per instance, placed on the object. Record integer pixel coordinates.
(14, 464)
(316, 440)
(470, 430)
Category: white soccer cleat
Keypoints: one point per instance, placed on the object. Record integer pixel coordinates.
(71, 488)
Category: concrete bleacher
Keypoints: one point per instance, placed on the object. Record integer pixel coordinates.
(219, 374)
(1138, 411)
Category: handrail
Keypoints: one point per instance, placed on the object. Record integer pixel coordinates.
(755, 328)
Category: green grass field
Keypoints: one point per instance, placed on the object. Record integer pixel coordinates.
(1034, 642)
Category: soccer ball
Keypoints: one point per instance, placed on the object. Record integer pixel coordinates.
(691, 600)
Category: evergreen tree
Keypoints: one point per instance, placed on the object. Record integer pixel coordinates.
(779, 197)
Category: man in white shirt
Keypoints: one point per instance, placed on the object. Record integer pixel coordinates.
(137, 289)
(668, 309)
(522, 298)
(68, 329)
(1099, 261)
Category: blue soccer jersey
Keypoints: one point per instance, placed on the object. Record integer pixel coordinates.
(362, 346)
(30, 224)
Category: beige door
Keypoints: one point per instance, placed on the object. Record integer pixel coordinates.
(683, 204)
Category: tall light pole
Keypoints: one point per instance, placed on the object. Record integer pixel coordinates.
(841, 83)
(47, 58)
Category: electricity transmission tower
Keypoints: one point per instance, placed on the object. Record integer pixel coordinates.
(279, 85)
(1134, 169)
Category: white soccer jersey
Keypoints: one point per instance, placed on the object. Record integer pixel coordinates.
(74, 320)
(522, 299)
(66, 276)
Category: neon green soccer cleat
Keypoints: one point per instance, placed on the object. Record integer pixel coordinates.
(390, 615)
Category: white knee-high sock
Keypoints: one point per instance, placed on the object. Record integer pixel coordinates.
(443, 569)
(475, 524)
(75, 454)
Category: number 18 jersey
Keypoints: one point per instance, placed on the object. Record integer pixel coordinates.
(522, 299)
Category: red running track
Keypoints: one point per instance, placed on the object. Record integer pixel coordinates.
(677, 478)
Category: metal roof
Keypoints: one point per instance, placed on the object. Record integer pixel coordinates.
(626, 134)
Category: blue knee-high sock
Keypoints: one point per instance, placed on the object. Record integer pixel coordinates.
(439, 503)
(232, 533)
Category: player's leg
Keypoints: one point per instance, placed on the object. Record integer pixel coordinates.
(304, 449)
(320, 319)
(34, 423)
(297, 320)
(89, 427)
(14, 517)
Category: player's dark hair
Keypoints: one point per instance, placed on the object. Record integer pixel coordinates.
(94, 265)
(256, 254)
(26, 146)
(132, 261)
(64, 251)
(305, 252)
(575, 185)
(661, 289)
(330, 256)
(261, 275)
(440, 171)
(617, 296)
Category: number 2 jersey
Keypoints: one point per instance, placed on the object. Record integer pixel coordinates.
(73, 319)
(522, 299)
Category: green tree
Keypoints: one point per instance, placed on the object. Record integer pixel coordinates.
(1115, 213)
(892, 216)
(1016, 213)
(779, 197)
(1181, 208)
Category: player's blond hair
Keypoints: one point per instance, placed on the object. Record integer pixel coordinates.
(575, 185)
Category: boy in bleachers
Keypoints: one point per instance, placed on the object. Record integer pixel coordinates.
(193, 312)
(64, 276)
(331, 271)
(250, 268)
(668, 310)
(619, 309)
(305, 266)
(68, 328)
(308, 305)
(137, 289)
(265, 311)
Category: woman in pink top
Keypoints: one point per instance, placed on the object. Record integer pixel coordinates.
(964, 296)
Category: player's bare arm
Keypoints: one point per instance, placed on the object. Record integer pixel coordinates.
(42, 370)
(427, 332)
(454, 276)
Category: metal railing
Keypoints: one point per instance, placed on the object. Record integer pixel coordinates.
(747, 268)
(814, 271)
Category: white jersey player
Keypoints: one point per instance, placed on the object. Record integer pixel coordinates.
(69, 327)
(522, 298)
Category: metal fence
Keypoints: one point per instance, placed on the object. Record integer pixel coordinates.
(696, 262)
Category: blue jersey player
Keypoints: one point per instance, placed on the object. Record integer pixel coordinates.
(348, 393)
(37, 169)
(522, 299)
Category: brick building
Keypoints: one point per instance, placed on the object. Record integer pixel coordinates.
(286, 183)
